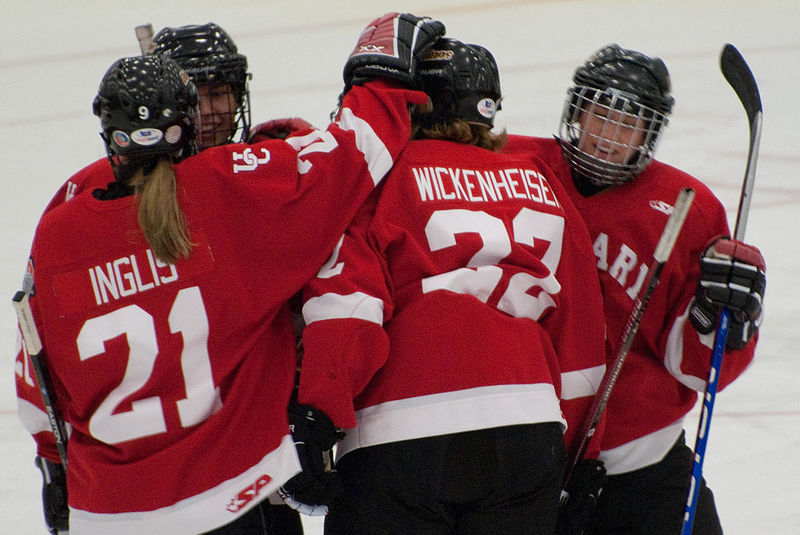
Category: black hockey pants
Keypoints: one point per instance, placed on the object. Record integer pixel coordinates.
(264, 519)
(502, 480)
(651, 500)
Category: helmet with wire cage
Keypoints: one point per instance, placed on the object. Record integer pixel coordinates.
(146, 106)
(209, 55)
(630, 92)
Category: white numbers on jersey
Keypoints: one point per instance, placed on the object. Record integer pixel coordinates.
(146, 417)
(332, 266)
(316, 141)
(528, 226)
(251, 161)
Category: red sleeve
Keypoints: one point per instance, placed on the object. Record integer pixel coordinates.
(345, 308)
(686, 353)
(95, 175)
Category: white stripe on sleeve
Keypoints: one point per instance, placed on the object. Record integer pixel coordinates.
(334, 306)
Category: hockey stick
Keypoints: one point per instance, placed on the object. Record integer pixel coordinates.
(36, 353)
(738, 74)
(144, 34)
(660, 256)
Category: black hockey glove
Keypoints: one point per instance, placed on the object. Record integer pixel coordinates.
(732, 275)
(54, 496)
(579, 498)
(312, 490)
(390, 47)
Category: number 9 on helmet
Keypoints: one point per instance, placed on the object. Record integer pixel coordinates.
(147, 106)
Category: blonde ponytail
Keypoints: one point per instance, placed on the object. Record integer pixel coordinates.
(160, 216)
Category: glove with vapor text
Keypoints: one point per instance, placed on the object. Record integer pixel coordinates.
(314, 488)
(732, 275)
(391, 47)
(54, 496)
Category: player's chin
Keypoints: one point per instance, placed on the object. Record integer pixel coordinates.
(208, 140)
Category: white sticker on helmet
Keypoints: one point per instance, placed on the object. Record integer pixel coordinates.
(173, 134)
(487, 107)
(121, 138)
(147, 136)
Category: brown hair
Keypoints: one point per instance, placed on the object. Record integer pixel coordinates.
(160, 216)
(456, 130)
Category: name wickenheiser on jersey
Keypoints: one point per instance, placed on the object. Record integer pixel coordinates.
(448, 183)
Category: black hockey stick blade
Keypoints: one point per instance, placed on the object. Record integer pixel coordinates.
(737, 73)
(740, 77)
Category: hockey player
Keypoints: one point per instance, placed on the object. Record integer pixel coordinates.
(162, 300)
(603, 154)
(210, 56)
(447, 322)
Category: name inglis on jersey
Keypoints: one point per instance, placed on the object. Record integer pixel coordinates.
(123, 277)
(472, 185)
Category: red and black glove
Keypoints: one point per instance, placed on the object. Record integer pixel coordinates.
(277, 129)
(391, 46)
(314, 488)
(732, 275)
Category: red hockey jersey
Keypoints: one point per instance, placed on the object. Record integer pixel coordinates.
(99, 174)
(175, 378)
(474, 264)
(669, 361)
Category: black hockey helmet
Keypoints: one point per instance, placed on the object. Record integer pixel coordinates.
(628, 71)
(146, 106)
(210, 56)
(463, 82)
(624, 81)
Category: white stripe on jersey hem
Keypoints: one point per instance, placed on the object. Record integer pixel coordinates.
(582, 383)
(202, 512)
(32, 417)
(642, 451)
(357, 305)
(378, 158)
(673, 354)
(453, 412)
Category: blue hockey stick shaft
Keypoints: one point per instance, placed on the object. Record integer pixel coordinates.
(738, 74)
(705, 421)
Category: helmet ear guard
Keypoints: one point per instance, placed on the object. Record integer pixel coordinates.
(628, 90)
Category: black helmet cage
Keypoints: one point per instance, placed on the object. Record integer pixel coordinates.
(147, 106)
(627, 90)
(209, 55)
(462, 81)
